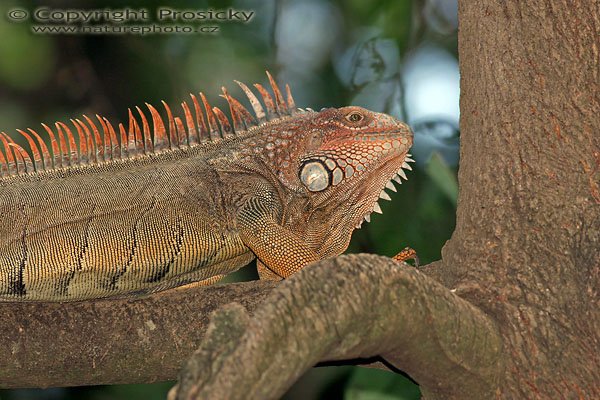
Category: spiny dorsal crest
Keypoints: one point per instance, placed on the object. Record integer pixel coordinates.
(101, 142)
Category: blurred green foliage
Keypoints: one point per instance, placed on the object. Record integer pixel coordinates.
(344, 51)
(443, 177)
(27, 60)
(367, 384)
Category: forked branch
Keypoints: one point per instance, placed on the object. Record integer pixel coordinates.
(357, 306)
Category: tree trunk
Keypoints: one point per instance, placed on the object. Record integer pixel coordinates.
(526, 248)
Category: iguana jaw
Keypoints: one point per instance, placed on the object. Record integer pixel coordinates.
(335, 215)
(388, 183)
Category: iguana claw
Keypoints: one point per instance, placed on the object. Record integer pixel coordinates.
(407, 254)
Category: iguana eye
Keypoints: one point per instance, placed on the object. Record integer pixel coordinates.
(354, 117)
(314, 175)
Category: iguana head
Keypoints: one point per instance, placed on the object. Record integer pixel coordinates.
(343, 159)
(340, 160)
(332, 165)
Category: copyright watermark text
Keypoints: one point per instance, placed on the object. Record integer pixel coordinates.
(115, 21)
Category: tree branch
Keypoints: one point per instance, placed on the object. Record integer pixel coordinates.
(111, 341)
(356, 306)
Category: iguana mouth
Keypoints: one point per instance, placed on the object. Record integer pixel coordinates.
(397, 177)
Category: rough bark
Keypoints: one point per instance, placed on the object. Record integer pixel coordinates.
(111, 341)
(526, 248)
(352, 307)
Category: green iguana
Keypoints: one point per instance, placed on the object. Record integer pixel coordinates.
(95, 211)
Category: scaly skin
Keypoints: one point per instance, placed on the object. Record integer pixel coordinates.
(288, 191)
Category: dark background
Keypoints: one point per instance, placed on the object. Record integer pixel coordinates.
(396, 56)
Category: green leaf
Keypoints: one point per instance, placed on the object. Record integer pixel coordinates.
(443, 177)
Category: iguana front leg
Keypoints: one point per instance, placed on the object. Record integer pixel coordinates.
(277, 248)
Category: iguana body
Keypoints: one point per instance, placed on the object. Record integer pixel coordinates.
(147, 209)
